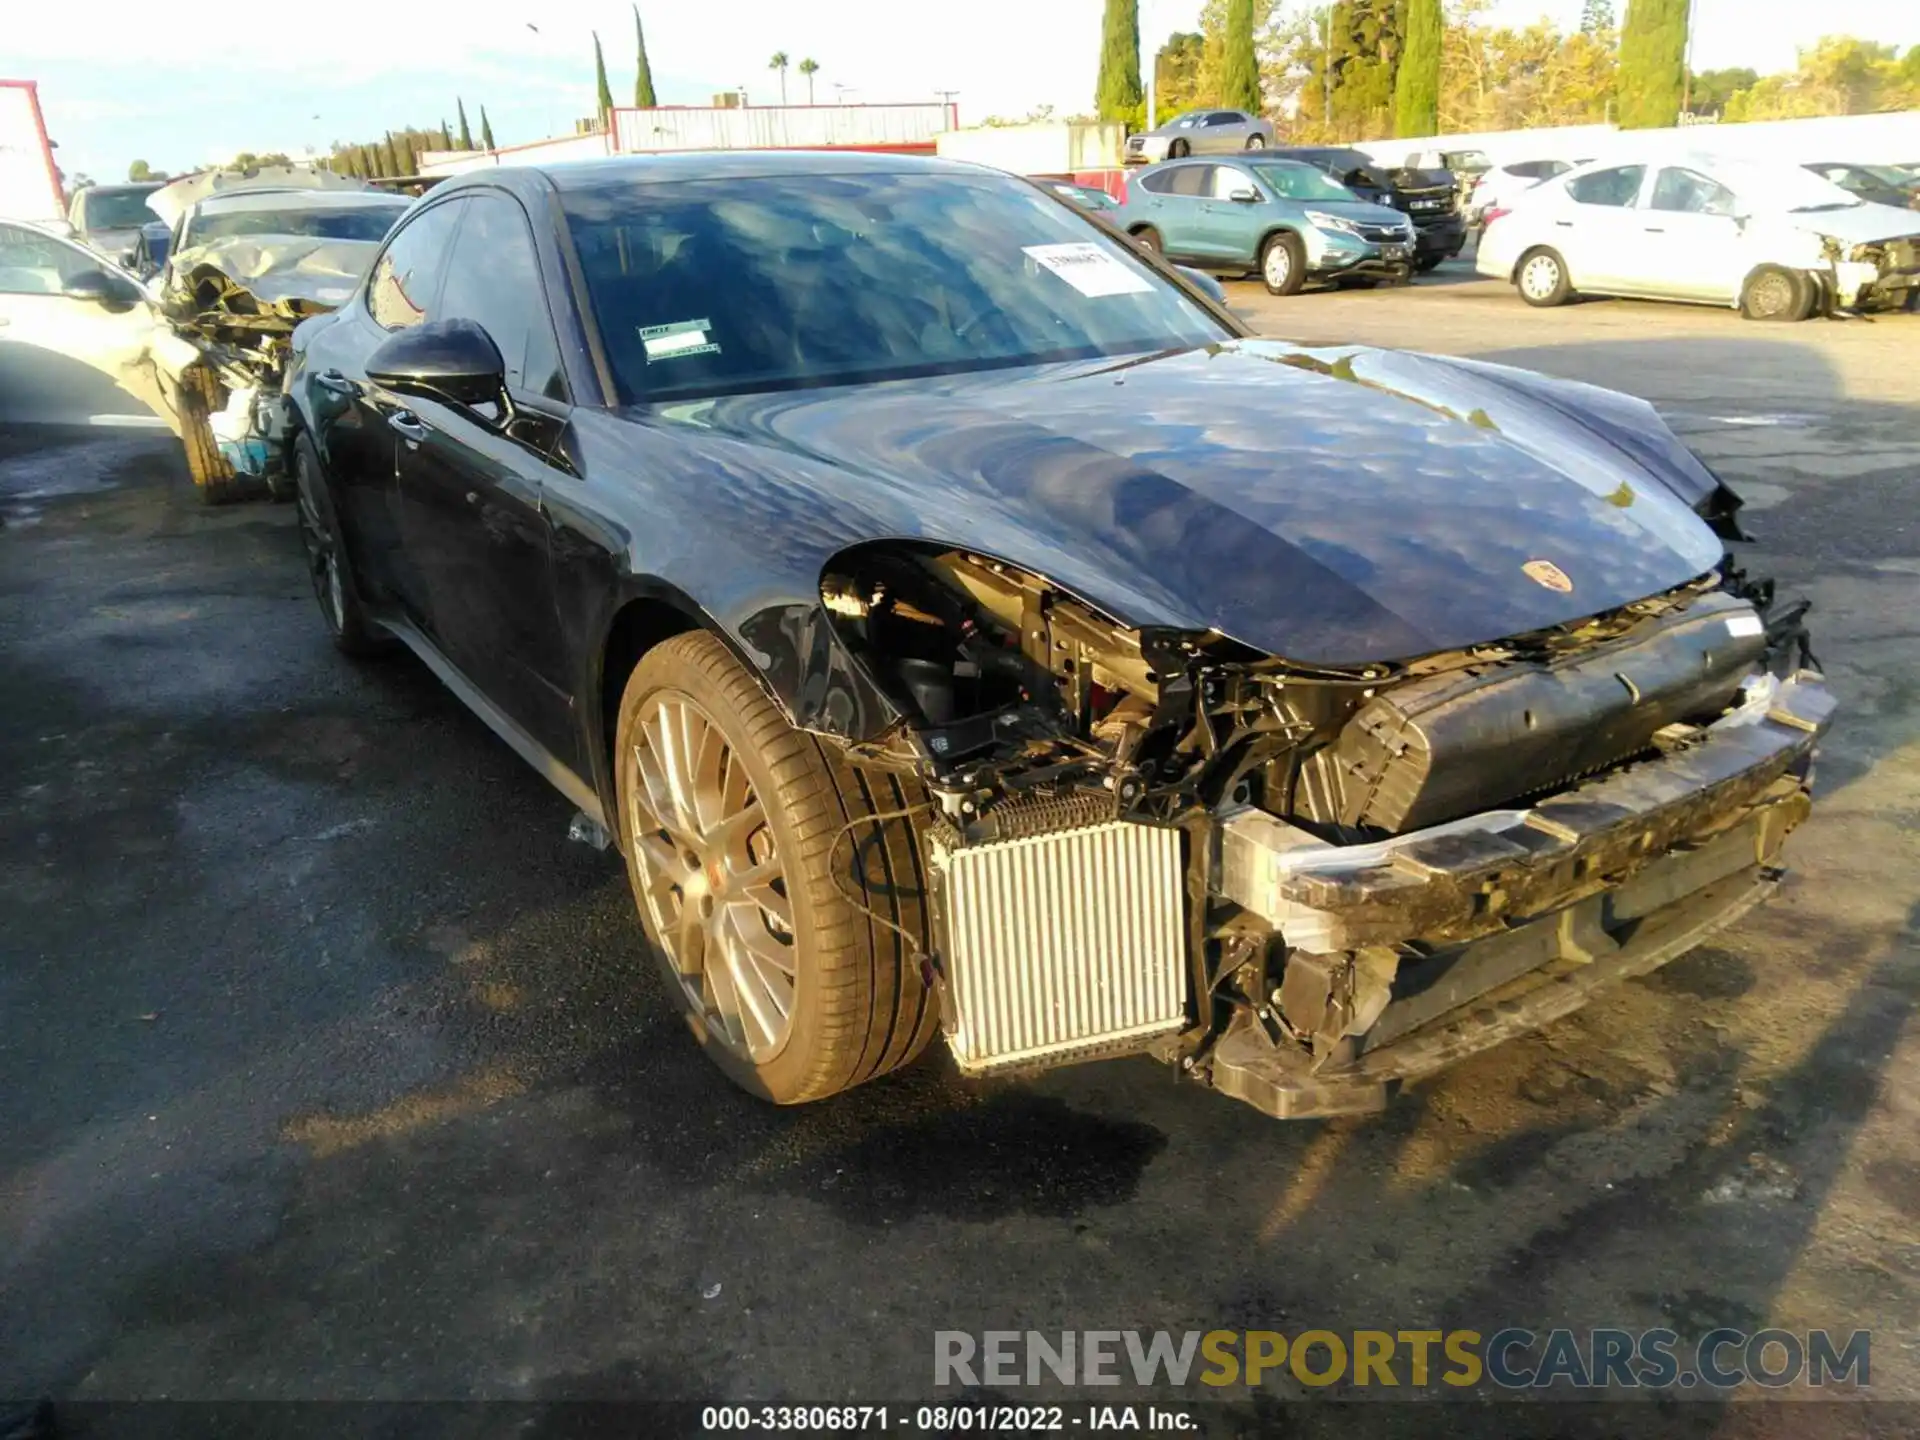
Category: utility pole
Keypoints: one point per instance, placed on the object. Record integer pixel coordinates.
(1326, 71)
(1686, 71)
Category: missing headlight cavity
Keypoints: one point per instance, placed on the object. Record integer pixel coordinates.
(1330, 839)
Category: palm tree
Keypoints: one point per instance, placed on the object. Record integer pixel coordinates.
(779, 62)
(809, 68)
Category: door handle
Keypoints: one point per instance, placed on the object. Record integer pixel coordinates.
(408, 424)
(336, 383)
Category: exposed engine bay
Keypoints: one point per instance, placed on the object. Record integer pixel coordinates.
(1124, 821)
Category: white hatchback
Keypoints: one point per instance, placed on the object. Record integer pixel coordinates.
(1773, 240)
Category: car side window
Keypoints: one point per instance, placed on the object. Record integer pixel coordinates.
(405, 277)
(1691, 192)
(1195, 180)
(1617, 187)
(36, 264)
(1226, 180)
(493, 278)
(1160, 182)
(1224, 117)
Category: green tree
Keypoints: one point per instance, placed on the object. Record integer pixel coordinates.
(603, 97)
(140, 170)
(446, 136)
(1240, 80)
(1176, 74)
(1117, 94)
(1416, 88)
(809, 68)
(643, 95)
(1364, 57)
(1596, 16)
(466, 135)
(1653, 60)
(779, 62)
(1710, 90)
(486, 130)
(392, 158)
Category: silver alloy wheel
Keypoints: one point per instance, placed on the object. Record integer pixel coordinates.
(1278, 265)
(1772, 294)
(1256, 142)
(712, 883)
(1540, 277)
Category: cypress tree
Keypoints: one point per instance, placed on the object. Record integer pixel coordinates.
(466, 135)
(1240, 82)
(1416, 88)
(486, 130)
(603, 96)
(446, 136)
(643, 95)
(1653, 62)
(1118, 94)
(393, 157)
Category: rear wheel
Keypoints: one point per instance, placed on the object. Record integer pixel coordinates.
(1542, 278)
(1256, 142)
(1149, 239)
(1283, 264)
(770, 902)
(333, 584)
(1178, 150)
(200, 396)
(1774, 292)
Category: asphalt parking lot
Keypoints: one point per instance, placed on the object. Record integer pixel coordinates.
(330, 1068)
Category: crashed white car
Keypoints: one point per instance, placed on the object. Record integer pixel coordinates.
(251, 256)
(1773, 240)
(199, 347)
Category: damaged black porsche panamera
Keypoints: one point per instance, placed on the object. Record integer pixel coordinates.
(962, 625)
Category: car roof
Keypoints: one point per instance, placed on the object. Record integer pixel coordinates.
(226, 202)
(572, 175)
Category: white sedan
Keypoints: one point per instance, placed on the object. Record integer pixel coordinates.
(1772, 240)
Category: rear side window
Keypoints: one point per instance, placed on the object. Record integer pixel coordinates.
(1191, 180)
(1225, 117)
(1160, 182)
(407, 274)
(493, 279)
(1617, 187)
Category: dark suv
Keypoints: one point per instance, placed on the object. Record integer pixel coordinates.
(1430, 198)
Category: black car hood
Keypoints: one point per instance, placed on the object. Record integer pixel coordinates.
(1332, 504)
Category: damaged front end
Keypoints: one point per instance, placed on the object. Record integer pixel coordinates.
(1306, 884)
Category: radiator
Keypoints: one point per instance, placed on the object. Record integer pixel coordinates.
(1064, 946)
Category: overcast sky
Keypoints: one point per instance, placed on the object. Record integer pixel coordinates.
(122, 80)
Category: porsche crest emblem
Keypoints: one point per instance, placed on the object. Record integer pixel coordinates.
(1545, 572)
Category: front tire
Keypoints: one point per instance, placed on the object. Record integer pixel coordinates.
(747, 853)
(1774, 292)
(1283, 264)
(1541, 278)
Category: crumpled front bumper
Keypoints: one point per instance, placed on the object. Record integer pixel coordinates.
(1498, 924)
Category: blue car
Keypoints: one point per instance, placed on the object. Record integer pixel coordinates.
(1283, 220)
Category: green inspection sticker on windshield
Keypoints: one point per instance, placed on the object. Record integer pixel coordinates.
(683, 337)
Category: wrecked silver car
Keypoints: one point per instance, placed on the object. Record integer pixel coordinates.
(251, 256)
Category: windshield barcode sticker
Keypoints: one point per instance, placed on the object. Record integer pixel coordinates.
(683, 337)
(1089, 269)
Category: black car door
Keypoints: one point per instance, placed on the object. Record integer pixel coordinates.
(471, 484)
(354, 418)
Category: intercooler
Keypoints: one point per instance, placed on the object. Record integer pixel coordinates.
(1062, 946)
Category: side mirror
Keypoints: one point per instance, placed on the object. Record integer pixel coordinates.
(1204, 283)
(1244, 195)
(98, 287)
(451, 360)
